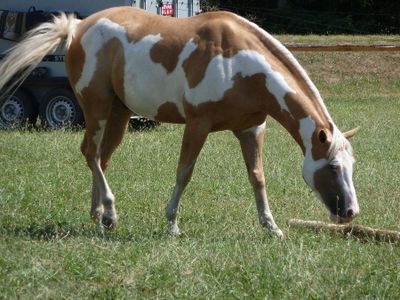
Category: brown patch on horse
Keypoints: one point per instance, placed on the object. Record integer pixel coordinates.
(104, 85)
(195, 65)
(327, 185)
(215, 37)
(242, 106)
(118, 68)
(320, 144)
(168, 112)
(74, 60)
(166, 52)
(117, 123)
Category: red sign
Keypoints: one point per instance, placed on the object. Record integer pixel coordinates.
(168, 10)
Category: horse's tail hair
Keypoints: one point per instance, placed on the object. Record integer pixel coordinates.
(21, 59)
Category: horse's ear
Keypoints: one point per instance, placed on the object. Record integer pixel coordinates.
(349, 134)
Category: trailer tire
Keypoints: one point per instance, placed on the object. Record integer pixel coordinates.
(18, 111)
(59, 108)
(141, 124)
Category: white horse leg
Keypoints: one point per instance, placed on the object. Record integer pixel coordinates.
(109, 217)
(251, 142)
(97, 209)
(193, 140)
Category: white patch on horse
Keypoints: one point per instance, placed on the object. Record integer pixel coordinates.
(147, 85)
(310, 166)
(343, 157)
(219, 75)
(92, 41)
(256, 130)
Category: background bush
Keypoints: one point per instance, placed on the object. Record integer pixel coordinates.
(317, 17)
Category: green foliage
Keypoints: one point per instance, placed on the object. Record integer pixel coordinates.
(320, 17)
(339, 16)
(49, 249)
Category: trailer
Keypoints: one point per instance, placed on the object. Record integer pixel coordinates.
(46, 93)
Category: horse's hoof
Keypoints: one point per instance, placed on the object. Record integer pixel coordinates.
(279, 234)
(109, 222)
(173, 230)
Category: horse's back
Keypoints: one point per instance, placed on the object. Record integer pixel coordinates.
(153, 62)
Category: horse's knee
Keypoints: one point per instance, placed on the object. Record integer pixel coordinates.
(257, 178)
(89, 150)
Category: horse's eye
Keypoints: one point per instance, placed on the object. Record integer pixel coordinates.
(334, 168)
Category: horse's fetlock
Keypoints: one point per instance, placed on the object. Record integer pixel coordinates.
(109, 200)
(97, 213)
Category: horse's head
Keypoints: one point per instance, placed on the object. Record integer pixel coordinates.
(332, 177)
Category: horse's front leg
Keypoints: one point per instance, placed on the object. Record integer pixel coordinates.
(251, 142)
(193, 140)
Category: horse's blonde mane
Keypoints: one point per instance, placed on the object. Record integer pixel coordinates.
(339, 143)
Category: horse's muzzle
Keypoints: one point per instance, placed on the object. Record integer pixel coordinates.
(351, 213)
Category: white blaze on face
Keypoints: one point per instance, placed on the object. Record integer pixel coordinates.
(344, 160)
(219, 75)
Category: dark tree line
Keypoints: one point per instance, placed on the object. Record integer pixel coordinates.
(316, 16)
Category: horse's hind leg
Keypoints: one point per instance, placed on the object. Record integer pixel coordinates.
(101, 125)
(251, 142)
(91, 150)
(113, 134)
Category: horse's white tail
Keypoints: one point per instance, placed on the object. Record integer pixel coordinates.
(21, 59)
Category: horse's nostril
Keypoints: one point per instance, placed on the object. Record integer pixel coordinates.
(350, 213)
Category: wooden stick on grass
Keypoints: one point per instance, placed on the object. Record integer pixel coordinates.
(359, 231)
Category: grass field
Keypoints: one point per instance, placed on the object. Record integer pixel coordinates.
(50, 249)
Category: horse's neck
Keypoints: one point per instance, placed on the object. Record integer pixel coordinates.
(301, 111)
(303, 117)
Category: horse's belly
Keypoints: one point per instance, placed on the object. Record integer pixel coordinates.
(149, 100)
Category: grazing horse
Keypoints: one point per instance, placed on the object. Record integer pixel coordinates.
(215, 71)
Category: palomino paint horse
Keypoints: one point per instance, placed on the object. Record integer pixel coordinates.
(216, 71)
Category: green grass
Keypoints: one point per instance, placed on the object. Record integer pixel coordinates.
(49, 248)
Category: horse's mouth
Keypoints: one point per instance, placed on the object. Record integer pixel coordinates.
(340, 220)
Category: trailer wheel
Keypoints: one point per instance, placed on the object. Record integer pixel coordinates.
(137, 123)
(17, 111)
(59, 108)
